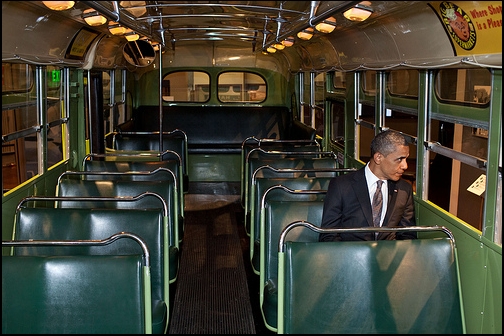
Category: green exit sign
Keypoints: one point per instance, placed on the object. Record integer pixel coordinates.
(55, 76)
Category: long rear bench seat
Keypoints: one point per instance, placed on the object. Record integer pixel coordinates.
(219, 129)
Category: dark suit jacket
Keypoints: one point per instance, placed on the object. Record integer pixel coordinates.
(347, 205)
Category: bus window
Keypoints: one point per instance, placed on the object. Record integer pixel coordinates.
(107, 103)
(369, 82)
(476, 89)
(25, 129)
(244, 87)
(339, 80)
(366, 115)
(366, 131)
(338, 122)
(186, 86)
(319, 103)
(55, 118)
(20, 156)
(463, 135)
(20, 122)
(403, 83)
(16, 77)
(119, 110)
(312, 102)
(305, 110)
(450, 179)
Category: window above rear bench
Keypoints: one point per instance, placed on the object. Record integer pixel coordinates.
(232, 87)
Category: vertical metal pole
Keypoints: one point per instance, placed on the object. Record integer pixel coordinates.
(161, 47)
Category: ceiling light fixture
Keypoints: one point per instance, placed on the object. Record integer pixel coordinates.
(116, 29)
(138, 7)
(326, 26)
(59, 5)
(278, 46)
(305, 34)
(359, 13)
(271, 50)
(289, 41)
(93, 18)
(131, 36)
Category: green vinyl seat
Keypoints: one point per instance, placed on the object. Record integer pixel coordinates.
(274, 152)
(93, 223)
(273, 144)
(124, 166)
(369, 287)
(140, 142)
(258, 190)
(294, 160)
(280, 207)
(77, 294)
(160, 181)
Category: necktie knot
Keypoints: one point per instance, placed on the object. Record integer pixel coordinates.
(377, 204)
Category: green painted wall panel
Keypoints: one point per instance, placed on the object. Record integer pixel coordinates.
(480, 263)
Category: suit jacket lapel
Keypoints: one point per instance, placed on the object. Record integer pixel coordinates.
(361, 190)
(392, 197)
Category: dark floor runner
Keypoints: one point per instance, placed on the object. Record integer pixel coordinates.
(211, 294)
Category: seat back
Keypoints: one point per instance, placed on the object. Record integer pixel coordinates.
(294, 178)
(131, 142)
(258, 190)
(273, 144)
(93, 223)
(281, 206)
(273, 152)
(362, 287)
(161, 182)
(77, 294)
(103, 169)
(293, 160)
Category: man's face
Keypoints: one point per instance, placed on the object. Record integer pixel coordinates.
(392, 166)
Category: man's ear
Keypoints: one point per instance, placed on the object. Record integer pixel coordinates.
(377, 157)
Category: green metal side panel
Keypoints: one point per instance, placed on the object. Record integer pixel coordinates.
(480, 263)
(38, 186)
(492, 308)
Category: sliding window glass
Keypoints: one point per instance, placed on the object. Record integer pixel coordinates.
(458, 143)
(20, 125)
(55, 114)
(186, 86)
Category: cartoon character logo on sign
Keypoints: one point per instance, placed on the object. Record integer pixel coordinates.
(459, 25)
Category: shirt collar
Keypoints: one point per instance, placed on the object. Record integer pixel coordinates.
(370, 177)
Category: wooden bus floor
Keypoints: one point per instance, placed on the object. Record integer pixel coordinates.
(216, 289)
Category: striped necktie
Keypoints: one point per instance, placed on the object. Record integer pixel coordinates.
(377, 204)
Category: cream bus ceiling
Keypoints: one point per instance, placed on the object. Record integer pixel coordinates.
(398, 33)
(249, 22)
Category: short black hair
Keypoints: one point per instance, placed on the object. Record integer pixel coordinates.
(387, 141)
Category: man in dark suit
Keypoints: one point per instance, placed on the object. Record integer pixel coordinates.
(348, 203)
